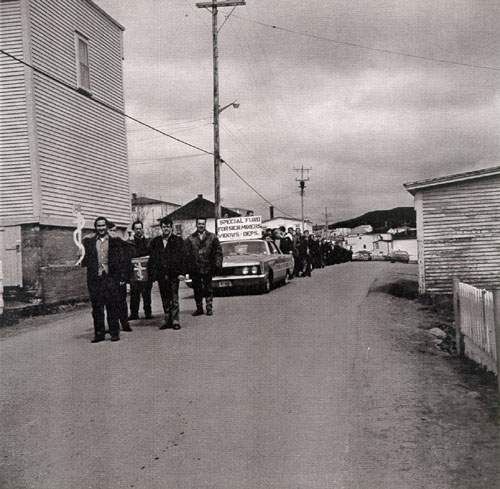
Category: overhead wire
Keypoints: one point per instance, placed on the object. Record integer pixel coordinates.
(101, 102)
(123, 114)
(365, 47)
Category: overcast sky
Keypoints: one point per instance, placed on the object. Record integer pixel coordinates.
(364, 121)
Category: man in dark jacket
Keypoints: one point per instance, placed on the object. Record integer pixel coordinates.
(204, 260)
(106, 273)
(140, 287)
(166, 265)
(305, 254)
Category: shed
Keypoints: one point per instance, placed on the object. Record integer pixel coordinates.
(458, 230)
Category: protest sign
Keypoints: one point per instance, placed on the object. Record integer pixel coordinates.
(239, 228)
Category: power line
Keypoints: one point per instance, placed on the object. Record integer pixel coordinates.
(101, 102)
(122, 113)
(368, 48)
(253, 188)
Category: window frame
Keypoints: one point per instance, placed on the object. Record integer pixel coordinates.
(80, 38)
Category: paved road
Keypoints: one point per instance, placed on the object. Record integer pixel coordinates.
(302, 388)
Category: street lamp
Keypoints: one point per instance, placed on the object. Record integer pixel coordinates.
(235, 104)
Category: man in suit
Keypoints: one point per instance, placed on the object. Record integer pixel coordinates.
(106, 273)
(166, 265)
(204, 260)
(140, 288)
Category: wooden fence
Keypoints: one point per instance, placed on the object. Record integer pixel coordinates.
(477, 320)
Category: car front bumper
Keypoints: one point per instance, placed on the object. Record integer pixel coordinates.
(235, 281)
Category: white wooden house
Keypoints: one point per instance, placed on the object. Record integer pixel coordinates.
(59, 146)
(458, 230)
(150, 211)
(288, 222)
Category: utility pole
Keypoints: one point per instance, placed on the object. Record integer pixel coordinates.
(326, 222)
(302, 185)
(214, 6)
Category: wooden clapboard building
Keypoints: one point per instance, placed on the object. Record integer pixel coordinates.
(458, 230)
(59, 146)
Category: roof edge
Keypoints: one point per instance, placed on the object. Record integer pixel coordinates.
(103, 12)
(414, 187)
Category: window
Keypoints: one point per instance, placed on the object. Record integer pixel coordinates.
(82, 63)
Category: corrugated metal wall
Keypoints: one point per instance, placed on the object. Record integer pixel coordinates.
(82, 146)
(16, 197)
(462, 234)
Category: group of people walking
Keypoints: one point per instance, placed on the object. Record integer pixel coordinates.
(113, 262)
(308, 250)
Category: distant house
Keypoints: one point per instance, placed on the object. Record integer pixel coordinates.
(60, 147)
(383, 245)
(341, 232)
(185, 217)
(402, 242)
(150, 211)
(458, 230)
(288, 222)
(362, 229)
(242, 211)
(373, 242)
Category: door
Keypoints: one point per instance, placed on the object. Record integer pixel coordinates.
(12, 264)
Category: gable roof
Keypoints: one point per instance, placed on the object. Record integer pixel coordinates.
(139, 200)
(199, 207)
(413, 187)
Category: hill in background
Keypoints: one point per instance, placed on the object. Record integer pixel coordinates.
(382, 220)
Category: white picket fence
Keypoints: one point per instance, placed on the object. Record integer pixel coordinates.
(476, 324)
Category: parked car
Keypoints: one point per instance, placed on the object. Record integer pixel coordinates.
(362, 255)
(399, 255)
(252, 264)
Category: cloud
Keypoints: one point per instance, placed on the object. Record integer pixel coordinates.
(365, 121)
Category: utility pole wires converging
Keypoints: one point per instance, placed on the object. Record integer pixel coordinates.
(302, 185)
(214, 6)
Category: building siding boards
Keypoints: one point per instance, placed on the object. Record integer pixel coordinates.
(82, 146)
(16, 196)
(461, 226)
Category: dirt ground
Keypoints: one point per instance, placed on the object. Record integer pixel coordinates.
(460, 405)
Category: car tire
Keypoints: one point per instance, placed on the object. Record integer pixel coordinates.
(267, 285)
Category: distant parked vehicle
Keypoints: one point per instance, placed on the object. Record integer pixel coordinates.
(399, 256)
(361, 255)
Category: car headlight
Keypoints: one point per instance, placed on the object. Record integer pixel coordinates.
(255, 270)
(245, 271)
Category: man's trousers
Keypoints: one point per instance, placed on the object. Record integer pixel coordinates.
(105, 294)
(202, 287)
(138, 289)
(169, 292)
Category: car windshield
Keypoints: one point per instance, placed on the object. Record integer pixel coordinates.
(244, 248)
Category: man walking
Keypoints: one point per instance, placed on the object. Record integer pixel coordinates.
(140, 284)
(204, 260)
(166, 265)
(106, 273)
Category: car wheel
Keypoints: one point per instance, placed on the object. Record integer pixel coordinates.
(267, 285)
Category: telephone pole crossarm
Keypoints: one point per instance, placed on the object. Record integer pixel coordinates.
(214, 5)
(221, 3)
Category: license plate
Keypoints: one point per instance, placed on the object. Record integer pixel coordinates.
(224, 283)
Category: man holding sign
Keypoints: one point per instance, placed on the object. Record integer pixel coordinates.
(140, 285)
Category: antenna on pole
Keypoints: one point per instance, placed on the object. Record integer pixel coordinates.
(302, 185)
